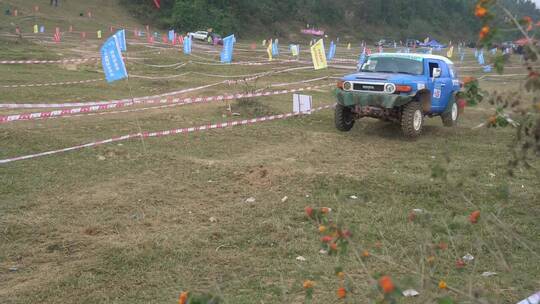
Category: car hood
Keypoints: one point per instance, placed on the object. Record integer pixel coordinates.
(382, 77)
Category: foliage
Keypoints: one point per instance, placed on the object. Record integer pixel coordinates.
(520, 104)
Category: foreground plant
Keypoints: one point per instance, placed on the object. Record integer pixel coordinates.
(515, 108)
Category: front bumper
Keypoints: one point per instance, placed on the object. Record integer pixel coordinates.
(364, 99)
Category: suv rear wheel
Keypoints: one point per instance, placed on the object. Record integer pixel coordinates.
(344, 118)
(412, 119)
(451, 116)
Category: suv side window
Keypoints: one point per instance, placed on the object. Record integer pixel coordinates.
(432, 65)
(444, 69)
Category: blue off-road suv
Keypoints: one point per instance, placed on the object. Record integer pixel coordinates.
(403, 88)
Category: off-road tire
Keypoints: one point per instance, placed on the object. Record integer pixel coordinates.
(450, 117)
(411, 126)
(344, 118)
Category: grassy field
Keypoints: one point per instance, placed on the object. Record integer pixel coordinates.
(130, 222)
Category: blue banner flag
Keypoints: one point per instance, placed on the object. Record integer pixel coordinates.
(111, 60)
(362, 59)
(481, 59)
(228, 47)
(187, 45)
(121, 36)
(171, 35)
(331, 51)
(275, 48)
(42, 29)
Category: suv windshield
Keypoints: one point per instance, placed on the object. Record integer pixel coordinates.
(393, 65)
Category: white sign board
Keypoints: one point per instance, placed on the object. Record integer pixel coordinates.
(302, 103)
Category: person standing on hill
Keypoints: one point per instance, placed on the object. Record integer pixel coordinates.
(55, 2)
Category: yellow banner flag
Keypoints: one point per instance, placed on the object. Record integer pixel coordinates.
(349, 46)
(450, 52)
(318, 55)
(264, 42)
(36, 30)
(269, 51)
(99, 34)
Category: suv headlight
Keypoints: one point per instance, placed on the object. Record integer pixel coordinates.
(347, 86)
(389, 88)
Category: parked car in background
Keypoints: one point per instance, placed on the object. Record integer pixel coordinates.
(412, 42)
(389, 43)
(214, 38)
(199, 35)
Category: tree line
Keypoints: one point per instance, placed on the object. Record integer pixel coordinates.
(358, 19)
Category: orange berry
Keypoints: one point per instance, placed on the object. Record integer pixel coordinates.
(473, 218)
(443, 285)
(480, 11)
(443, 246)
(365, 253)
(182, 299)
(341, 275)
(333, 246)
(468, 79)
(322, 228)
(430, 259)
(326, 239)
(484, 32)
(341, 293)
(308, 284)
(325, 210)
(386, 284)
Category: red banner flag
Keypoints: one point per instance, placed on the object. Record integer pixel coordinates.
(157, 3)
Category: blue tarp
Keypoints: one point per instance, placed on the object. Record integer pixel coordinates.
(434, 44)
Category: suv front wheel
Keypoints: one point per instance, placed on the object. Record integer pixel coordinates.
(450, 117)
(344, 118)
(412, 119)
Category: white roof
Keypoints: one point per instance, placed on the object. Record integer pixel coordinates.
(416, 55)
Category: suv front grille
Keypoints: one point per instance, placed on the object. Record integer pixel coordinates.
(368, 87)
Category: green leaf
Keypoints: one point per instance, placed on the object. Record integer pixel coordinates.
(445, 300)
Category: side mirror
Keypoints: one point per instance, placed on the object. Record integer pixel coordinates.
(436, 72)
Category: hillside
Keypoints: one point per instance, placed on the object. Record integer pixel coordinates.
(359, 19)
(194, 176)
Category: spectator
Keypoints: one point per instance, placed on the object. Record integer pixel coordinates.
(54, 2)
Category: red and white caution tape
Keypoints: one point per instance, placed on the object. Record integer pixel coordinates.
(50, 84)
(165, 133)
(47, 61)
(168, 100)
(96, 103)
(249, 77)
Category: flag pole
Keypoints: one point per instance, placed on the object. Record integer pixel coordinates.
(133, 101)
